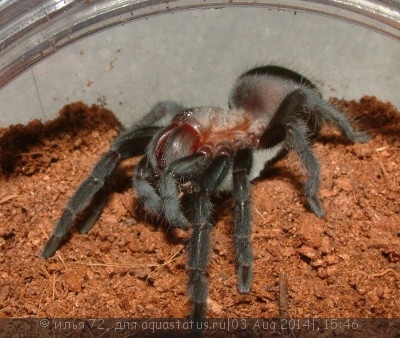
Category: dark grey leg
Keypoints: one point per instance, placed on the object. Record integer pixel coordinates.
(128, 144)
(296, 131)
(242, 224)
(200, 241)
(181, 169)
(321, 111)
(141, 182)
(96, 207)
(297, 141)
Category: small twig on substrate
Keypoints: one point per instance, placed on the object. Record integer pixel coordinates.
(379, 274)
(284, 300)
(54, 284)
(49, 277)
(144, 265)
(385, 173)
(41, 297)
(158, 266)
(283, 294)
(5, 199)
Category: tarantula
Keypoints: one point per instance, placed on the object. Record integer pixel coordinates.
(271, 110)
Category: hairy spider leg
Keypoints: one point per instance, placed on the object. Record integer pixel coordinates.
(242, 222)
(183, 168)
(162, 110)
(199, 246)
(142, 183)
(128, 144)
(321, 111)
(306, 102)
(96, 207)
(289, 123)
(165, 199)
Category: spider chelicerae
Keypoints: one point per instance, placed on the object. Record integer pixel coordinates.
(209, 149)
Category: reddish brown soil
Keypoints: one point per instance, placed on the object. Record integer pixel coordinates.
(344, 265)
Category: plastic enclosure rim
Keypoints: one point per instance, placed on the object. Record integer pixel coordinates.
(33, 30)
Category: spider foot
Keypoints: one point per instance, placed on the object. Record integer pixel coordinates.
(198, 310)
(51, 246)
(89, 221)
(86, 226)
(316, 206)
(361, 137)
(245, 275)
(176, 219)
(198, 292)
